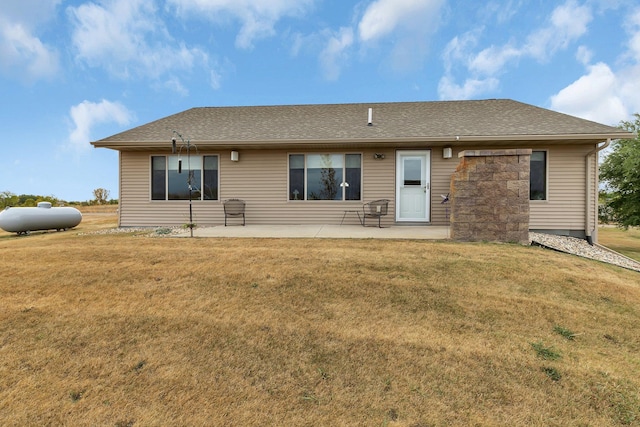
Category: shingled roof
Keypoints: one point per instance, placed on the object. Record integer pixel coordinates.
(438, 123)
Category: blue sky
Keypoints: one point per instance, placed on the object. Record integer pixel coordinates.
(75, 71)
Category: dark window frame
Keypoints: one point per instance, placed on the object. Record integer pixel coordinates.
(539, 176)
(298, 175)
(160, 178)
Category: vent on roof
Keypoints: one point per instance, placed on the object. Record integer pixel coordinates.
(370, 120)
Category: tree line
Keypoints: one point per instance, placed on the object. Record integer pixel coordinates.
(9, 199)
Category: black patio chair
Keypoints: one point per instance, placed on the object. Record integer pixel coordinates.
(234, 208)
(375, 209)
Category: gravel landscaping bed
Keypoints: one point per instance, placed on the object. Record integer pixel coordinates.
(583, 249)
(142, 231)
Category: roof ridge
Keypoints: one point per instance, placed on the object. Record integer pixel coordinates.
(346, 104)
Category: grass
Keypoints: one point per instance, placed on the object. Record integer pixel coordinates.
(547, 353)
(626, 242)
(126, 330)
(564, 332)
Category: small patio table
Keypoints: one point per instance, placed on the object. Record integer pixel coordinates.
(357, 212)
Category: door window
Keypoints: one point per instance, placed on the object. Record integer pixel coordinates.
(412, 171)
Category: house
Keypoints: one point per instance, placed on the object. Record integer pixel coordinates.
(308, 164)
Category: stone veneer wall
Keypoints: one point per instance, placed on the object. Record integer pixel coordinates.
(490, 196)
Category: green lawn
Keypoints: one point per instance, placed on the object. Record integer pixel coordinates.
(626, 242)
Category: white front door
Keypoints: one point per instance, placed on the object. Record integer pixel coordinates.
(413, 188)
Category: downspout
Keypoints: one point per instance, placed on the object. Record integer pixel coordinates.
(589, 191)
(119, 188)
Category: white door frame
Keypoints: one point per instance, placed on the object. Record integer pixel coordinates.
(425, 185)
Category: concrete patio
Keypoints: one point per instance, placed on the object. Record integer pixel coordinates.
(322, 232)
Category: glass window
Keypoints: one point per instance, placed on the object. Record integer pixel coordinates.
(210, 179)
(296, 177)
(183, 173)
(538, 176)
(174, 176)
(353, 176)
(158, 178)
(325, 176)
(412, 171)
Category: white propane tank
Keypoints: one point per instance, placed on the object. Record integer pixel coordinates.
(44, 217)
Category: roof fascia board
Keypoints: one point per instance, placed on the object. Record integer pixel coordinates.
(453, 140)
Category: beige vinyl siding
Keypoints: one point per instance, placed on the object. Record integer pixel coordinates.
(441, 171)
(564, 208)
(378, 182)
(136, 206)
(260, 177)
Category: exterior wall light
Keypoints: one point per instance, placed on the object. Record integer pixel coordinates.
(235, 156)
(447, 153)
(378, 156)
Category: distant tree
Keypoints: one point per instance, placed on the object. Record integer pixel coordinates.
(329, 189)
(23, 199)
(7, 198)
(620, 172)
(605, 214)
(52, 199)
(100, 196)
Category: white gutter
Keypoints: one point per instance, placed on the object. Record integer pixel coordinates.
(371, 141)
(589, 191)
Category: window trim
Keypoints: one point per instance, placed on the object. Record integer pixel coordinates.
(344, 167)
(166, 178)
(546, 177)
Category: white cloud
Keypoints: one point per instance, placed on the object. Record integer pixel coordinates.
(594, 96)
(632, 26)
(216, 79)
(383, 17)
(25, 56)
(567, 23)
(175, 85)
(334, 55)
(492, 60)
(22, 53)
(584, 55)
(603, 94)
(126, 38)
(88, 114)
(503, 11)
(457, 50)
(257, 17)
(449, 89)
(406, 25)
